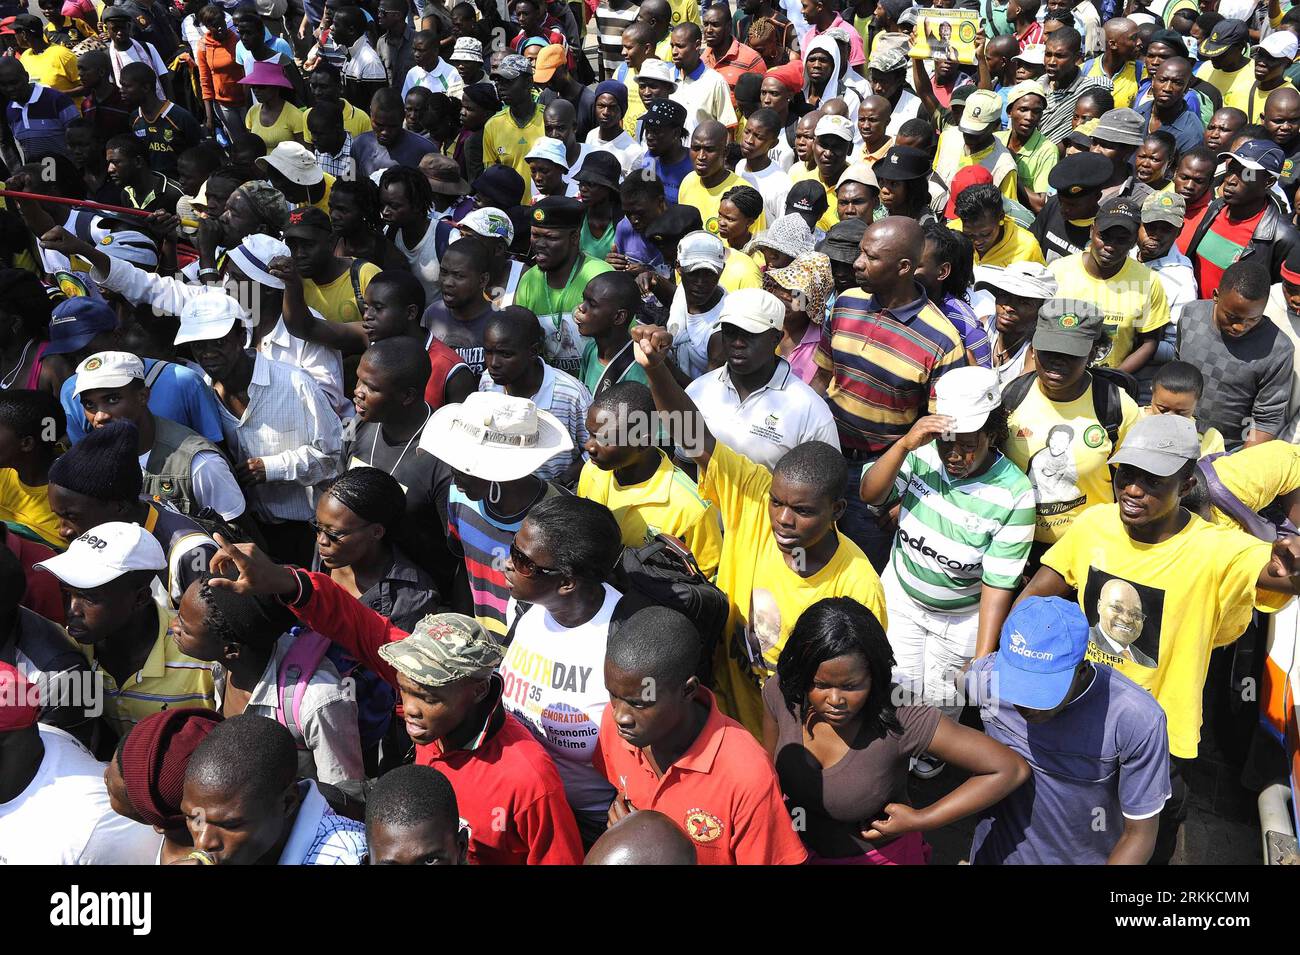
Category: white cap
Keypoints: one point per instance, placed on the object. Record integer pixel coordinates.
(1032, 55)
(467, 50)
(967, 395)
(253, 257)
(834, 125)
(753, 309)
(552, 150)
(104, 553)
(295, 162)
(489, 223)
(108, 369)
(130, 246)
(1281, 44)
(654, 69)
(210, 315)
(983, 109)
(858, 172)
(701, 250)
(1026, 279)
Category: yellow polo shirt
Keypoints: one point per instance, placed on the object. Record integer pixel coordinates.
(1016, 245)
(29, 507)
(740, 271)
(167, 680)
(668, 502)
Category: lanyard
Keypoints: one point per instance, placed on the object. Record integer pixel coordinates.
(428, 413)
(558, 319)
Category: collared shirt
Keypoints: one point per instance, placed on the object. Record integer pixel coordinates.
(1034, 160)
(290, 426)
(166, 680)
(398, 57)
(405, 594)
(722, 792)
(443, 78)
(364, 63)
(371, 156)
(883, 364)
(735, 63)
(1175, 273)
(323, 364)
(773, 419)
(1058, 118)
(1186, 129)
(39, 124)
(705, 95)
(320, 836)
(568, 399)
(340, 165)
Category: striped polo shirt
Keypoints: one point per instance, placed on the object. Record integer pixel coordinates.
(484, 542)
(957, 534)
(883, 364)
(1058, 118)
(39, 123)
(167, 679)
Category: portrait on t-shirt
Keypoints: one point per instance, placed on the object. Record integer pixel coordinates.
(1124, 620)
(1054, 473)
(763, 633)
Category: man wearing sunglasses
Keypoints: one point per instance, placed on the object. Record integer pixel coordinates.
(507, 787)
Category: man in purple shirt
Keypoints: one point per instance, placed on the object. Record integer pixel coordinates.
(387, 143)
(1095, 740)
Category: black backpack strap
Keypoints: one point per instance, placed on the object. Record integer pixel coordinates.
(521, 608)
(354, 272)
(616, 369)
(1107, 402)
(1013, 395)
(1223, 498)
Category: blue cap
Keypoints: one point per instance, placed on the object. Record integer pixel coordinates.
(1262, 155)
(1043, 641)
(75, 323)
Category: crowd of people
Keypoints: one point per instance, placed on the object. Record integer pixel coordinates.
(528, 432)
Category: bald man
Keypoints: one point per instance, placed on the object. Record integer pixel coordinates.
(1117, 62)
(1120, 619)
(873, 128)
(881, 352)
(646, 837)
(581, 101)
(560, 120)
(658, 16)
(997, 54)
(710, 178)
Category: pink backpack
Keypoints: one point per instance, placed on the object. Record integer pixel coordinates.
(296, 671)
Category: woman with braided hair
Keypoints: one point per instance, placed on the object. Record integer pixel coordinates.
(358, 228)
(739, 210)
(257, 660)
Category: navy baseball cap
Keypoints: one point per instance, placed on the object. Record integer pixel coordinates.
(1043, 641)
(1262, 155)
(75, 323)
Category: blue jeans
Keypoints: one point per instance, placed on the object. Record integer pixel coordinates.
(860, 526)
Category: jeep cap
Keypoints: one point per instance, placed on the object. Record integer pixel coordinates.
(1042, 642)
(104, 553)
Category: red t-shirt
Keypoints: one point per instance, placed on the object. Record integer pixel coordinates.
(1192, 222)
(1222, 245)
(723, 792)
(43, 593)
(507, 788)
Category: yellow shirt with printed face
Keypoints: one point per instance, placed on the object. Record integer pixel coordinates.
(1257, 475)
(766, 596)
(669, 502)
(1133, 301)
(1164, 606)
(1064, 449)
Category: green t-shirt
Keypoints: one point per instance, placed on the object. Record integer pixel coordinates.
(562, 345)
(594, 247)
(590, 369)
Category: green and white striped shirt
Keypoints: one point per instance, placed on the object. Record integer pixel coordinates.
(955, 535)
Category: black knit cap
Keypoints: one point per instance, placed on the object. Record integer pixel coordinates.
(104, 464)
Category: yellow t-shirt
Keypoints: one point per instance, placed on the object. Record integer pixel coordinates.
(323, 203)
(1223, 81)
(55, 66)
(668, 503)
(1168, 605)
(831, 216)
(1211, 440)
(740, 271)
(355, 121)
(1064, 449)
(684, 11)
(635, 108)
(1016, 245)
(707, 199)
(1250, 100)
(288, 123)
(1258, 475)
(1133, 300)
(767, 597)
(30, 507)
(1125, 84)
(337, 300)
(506, 143)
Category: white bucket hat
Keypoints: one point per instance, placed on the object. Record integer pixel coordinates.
(495, 437)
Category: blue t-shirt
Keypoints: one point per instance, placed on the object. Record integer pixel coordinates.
(179, 394)
(670, 176)
(1106, 756)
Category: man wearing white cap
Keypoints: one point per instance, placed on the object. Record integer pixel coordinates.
(279, 428)
(965, 526)
(1017, 292)
(973, 143)
(107, 574)
(831, 145)
(697, 302)
(755, 403)
(180, 466)
(1273, 56)
(245, 267)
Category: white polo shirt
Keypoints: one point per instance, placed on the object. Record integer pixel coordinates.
(705, 95)
(776, 418)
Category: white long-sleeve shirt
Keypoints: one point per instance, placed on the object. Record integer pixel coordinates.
(290, 426)
(168, 296)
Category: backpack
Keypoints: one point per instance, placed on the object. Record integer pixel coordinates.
(1255, 524)
(1106, 402)
(375, 699)
(664, 573)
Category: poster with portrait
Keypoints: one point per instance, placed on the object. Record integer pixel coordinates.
(946, 35)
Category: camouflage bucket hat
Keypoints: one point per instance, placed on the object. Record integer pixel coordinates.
(444, 648)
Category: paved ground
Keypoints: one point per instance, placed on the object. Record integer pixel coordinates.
(1222, 825)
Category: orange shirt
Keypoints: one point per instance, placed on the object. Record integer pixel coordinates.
(723, 792)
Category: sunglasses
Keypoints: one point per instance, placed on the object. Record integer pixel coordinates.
(332, 536)
(525, 566)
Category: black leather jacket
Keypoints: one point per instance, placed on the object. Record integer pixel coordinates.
(1274, 239)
